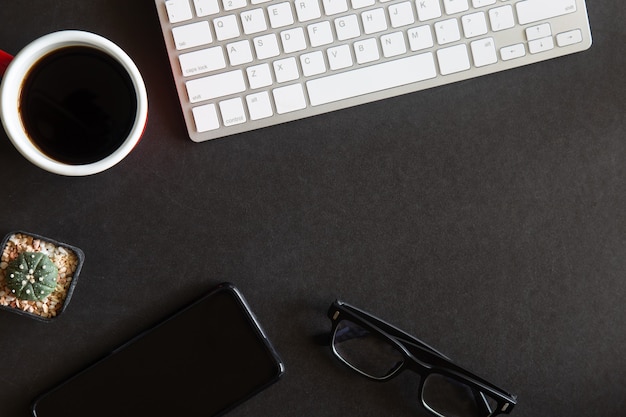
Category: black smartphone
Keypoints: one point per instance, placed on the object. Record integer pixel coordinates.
(202, 361)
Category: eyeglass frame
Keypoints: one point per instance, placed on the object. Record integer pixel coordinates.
(418, 357)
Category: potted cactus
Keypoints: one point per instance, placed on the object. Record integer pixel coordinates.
(37, 275)
(31, 276)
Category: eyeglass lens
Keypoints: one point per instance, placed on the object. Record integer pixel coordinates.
(448, 397)
(366, 352)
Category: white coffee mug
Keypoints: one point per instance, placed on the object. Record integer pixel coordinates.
(17, 71)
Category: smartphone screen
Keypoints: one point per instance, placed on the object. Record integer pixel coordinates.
(202, 361)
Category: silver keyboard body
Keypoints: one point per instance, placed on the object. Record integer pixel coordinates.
(241, 65)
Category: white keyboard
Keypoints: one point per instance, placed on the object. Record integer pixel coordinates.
(245, 64)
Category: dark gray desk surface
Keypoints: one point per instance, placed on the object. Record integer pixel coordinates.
(486, 217)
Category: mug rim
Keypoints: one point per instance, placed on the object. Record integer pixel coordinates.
(11, 87)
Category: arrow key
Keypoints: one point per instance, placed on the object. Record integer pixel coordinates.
(541, 45)
(513, 51)
(569, 38)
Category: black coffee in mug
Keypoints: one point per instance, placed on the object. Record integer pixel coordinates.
(78, 105)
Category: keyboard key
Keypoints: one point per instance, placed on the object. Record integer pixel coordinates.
(239, 53)
(280, 15)
(226, 27)
(474, 24)
(205, 117)
(259, 105)
(371, 79)
(205, 60)
(232, 111)
(206, 7)
(569, 38)
(455, 6)
(307, 10)
(531, 11)
(339, 57)
(293, 40)
(420, 38)
(286, 70)
(484, 52)
(332, 7)
(259, 76)
(453, 59)
(401, 14)
(538, 32)
(481, 3)
(190, 36)
(233, 4)
(312, 63)
(447, 31)
(347, 27)
(366, 51)
(253, 21)
(393, 44)
(266, 46)
(215, 86)
(512, 52)
(428, 9)
(178, 10)
(541, 45)
(359, 4)
(374, 21)
(320, 33)
(289, 98)
(501, 18)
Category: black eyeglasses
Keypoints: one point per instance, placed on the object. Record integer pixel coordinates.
(380, 351)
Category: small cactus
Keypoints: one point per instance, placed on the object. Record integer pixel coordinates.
(32, 276)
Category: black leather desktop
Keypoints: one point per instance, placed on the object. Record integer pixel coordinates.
(487, 218)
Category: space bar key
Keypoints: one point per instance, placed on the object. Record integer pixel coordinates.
(371, 79)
